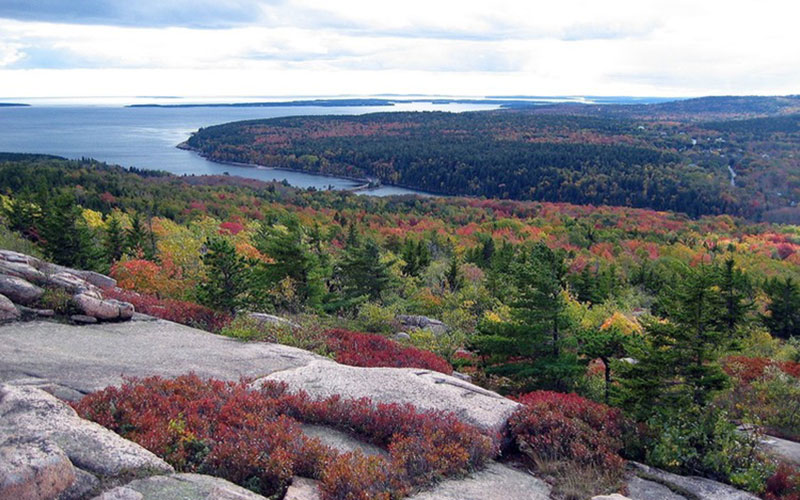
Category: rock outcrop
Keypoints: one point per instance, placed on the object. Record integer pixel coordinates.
(494, 481)
(692, 487)
(75, 360)
(24, 279)
(179, 487)
(425, 389)
(48, 451)
(415, 322)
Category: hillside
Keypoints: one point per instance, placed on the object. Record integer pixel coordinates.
(666, 156)
(543, 302)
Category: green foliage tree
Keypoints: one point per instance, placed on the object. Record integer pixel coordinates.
(608, 345)
(66, 238)
(529, 348)
(115, 242)
(295, 255)
(362, 273)
(227, 277)
(453, 275)
(736, 291)
(416, 257)
(677, 366)
(783, 318)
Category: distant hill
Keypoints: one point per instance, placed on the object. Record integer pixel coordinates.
(712, 155)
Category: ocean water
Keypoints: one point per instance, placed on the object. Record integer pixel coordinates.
(146, 137)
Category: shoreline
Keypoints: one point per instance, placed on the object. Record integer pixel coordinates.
(364, 185)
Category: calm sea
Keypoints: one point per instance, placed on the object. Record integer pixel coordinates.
(146, 137)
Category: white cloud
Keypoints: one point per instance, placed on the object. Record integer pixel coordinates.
(656, 47)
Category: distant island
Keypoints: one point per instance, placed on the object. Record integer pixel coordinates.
(13, 105)
(503, 103)
(706, 156)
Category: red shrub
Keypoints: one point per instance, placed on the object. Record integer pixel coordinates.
(784, 484)
(253, 437)
(370, 350)
(555, 426)
(179, 311)
(747, 369)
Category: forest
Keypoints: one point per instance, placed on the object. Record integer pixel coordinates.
(544, 301)
(677, 158)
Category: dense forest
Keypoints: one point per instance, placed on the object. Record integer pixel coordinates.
(677, 164)
(535, 296)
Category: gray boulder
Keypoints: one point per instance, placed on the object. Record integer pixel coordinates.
(272, 320)
(425, 389)
(8, 311)
(642, 489)
(302, 489)
(340, 441)
(785, 450)
(422, 323)
(180, 487)
(494, 481)
(29, 412)
(19, 290)
(85, 359)
(32, 469)
(691, 486)
(103, 309)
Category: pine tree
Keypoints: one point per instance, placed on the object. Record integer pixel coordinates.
(294, 255)
(66, 238)
(453, 275)
(115, 241)
(735, 290)
(138, 238)
(678, 365)
(529, 348)
(227, 277)
(363, 274)
(783, 318)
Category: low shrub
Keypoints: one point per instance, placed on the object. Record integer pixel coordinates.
(179, 311)
(252, 437)
(783, 484)
(703, 441)
(370, 350)
(571, 441)
(556, 426)
(765, 392)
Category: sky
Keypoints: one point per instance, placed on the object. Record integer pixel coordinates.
(671, 48)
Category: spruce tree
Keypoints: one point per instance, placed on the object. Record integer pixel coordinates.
(530, 347)
(293, 254)
(115, 241)
(678, 365)
(66, 238)
(362, 273)
(783, 312)
(227, 278)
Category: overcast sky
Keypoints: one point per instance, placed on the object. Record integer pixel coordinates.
(464, 47)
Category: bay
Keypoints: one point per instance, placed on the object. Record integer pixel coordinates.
(147, 137)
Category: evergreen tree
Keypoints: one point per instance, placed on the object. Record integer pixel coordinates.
(529, 348)
(362, 273)
(294, 255)
(138, 238)
(783, 318)
(115, 241)
(227, 277)
(23, 214)
(416, 256)
(678, 365)
(736, 291)
(607, 345)
(453, 275)
(66, 238)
